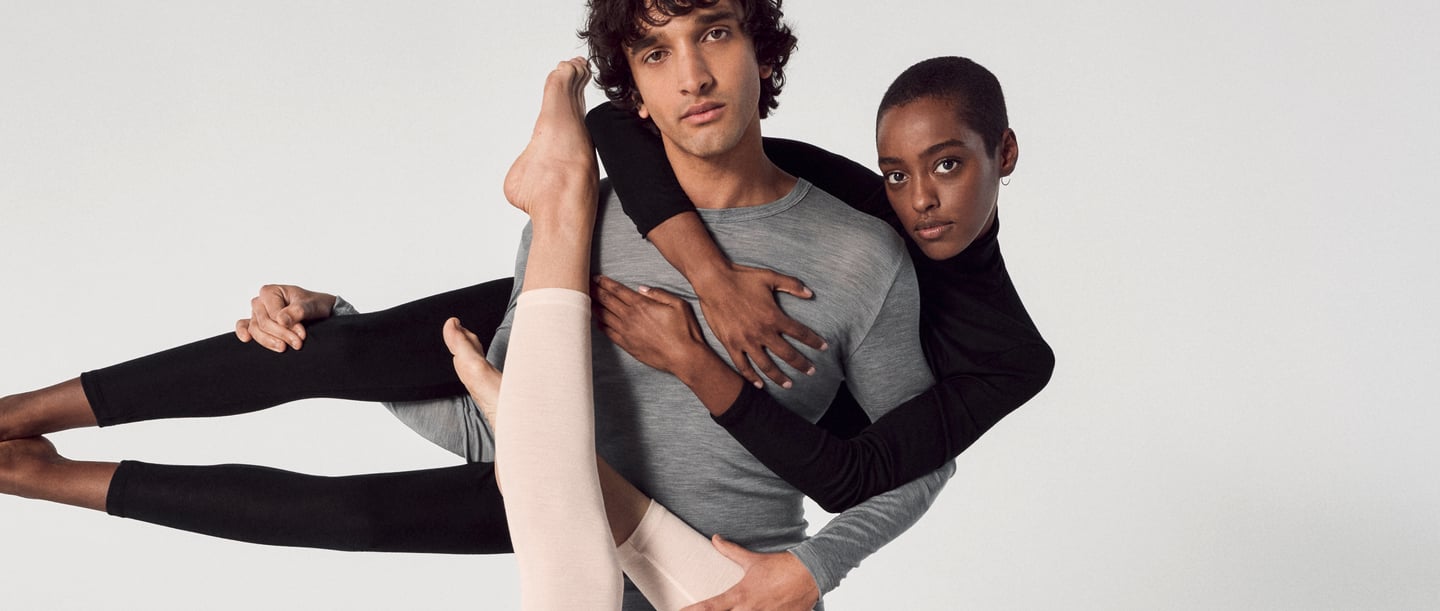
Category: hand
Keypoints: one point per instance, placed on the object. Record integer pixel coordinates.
(739, 306)
(276, 315)
(654, 326)
(777, 581)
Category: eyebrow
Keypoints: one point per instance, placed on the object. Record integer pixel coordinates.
(931, 150)
(705, 19)
(717, 17)
(935, 148)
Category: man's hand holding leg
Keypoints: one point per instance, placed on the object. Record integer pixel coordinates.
(277, 314)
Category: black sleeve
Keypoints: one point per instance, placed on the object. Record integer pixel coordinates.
(979, 381)
(852, 183)
(915, 438)
(988, 359)
(635, 161)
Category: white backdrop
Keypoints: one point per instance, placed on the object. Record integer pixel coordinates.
(1219, 221)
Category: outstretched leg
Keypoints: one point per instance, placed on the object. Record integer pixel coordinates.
(556, 503)
(545, 437)
(390, 355)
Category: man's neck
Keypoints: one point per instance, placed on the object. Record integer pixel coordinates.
(740, 177)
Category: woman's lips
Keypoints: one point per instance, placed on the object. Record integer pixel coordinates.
(933, 230)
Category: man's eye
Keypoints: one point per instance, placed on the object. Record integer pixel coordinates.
(654, 56)
(946, 166)
(717, 34)
(894, 178)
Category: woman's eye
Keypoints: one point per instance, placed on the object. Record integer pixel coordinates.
(894, 178)
(946, 166)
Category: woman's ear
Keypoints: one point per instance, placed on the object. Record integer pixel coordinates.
(1009, 152)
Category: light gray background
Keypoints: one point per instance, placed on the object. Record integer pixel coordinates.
(1220, 221)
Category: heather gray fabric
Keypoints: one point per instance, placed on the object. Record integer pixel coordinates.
(653, 430)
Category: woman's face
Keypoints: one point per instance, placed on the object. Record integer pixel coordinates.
(941, 180)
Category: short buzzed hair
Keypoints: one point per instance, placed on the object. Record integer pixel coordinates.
(967, 86)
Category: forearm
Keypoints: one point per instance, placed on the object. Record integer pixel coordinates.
(639, 171)
(687, 245)
(916, 437)
(850, 537)
(714, 383)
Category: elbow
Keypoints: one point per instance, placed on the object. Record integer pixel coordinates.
(868, 469)
(837, 503)
(1041, 366)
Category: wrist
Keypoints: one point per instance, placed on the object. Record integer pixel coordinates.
(712, 381)
(696, 363)
(709, 274)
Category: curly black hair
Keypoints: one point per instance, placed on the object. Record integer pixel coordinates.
(614, 25)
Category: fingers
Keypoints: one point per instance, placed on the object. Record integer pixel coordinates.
(734, 552)
(742, 365)
(242, 329)
(733, 597)
(720, 602)
(769, 368)
(290, 318)
(660, 296)
(787, 353)
(789, 285)
(614, 291)
(269, 325)
(793, 286)
(801, 333)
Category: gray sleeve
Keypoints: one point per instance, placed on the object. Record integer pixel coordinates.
(343, 308)
(887, 368)
(852, 536)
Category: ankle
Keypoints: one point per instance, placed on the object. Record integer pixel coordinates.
(47, 410)
(9, 414)
(24, 464)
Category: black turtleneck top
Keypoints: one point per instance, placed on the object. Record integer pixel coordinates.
(986, 354)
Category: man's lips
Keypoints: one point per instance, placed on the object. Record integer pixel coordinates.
(932, 229)
(701, 113)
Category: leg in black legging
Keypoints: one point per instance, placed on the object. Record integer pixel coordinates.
(455, 510)
(392, 355)
(396, 354)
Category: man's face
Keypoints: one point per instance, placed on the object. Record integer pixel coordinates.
(941, 180)
(699, 81)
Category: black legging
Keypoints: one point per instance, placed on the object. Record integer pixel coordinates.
(393, 355)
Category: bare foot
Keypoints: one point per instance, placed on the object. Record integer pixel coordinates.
(22, 463)
(559, 159)
(30, 467)
(480, 377)
(47, 410)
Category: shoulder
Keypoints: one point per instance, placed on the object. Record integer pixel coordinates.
(852, 237)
